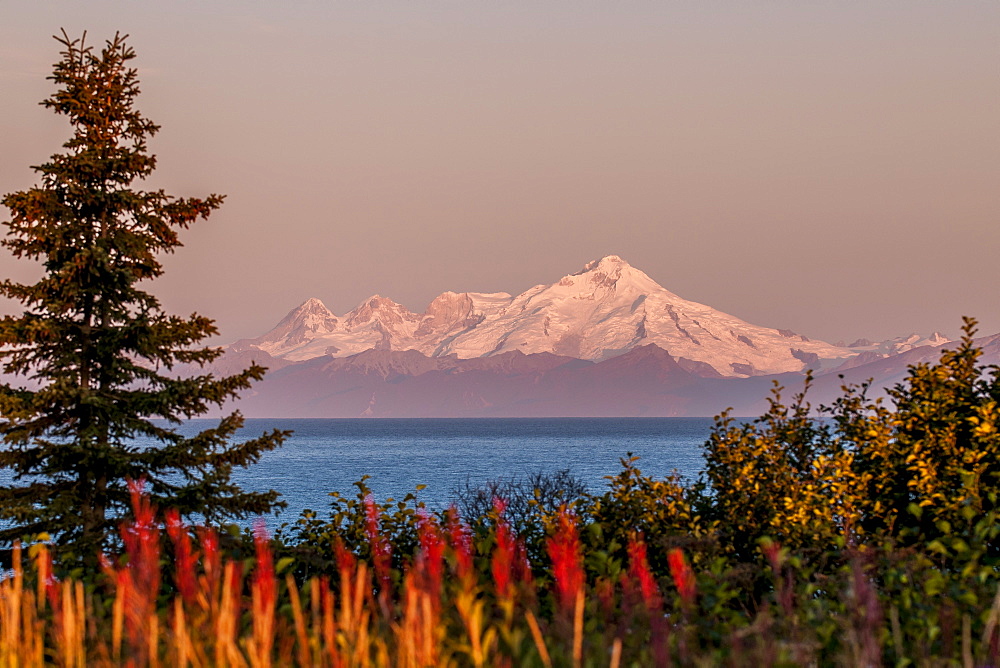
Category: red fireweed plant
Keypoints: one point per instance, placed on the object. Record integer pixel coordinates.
(641, 575)
(137, 582)
(47, 580)
(211, 579)
(522, 567)
(460, 543)
(346, 561)
(265, 583)
(379, 544)
(430, 560)
(504, 554)
(567, 561)
(683, 576)
(264, 588)
(185, 557)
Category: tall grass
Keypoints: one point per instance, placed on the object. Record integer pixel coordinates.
(177, 600)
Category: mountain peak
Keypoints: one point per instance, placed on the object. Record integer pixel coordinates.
(608, 263)
(613, 273)
(378, 301)
(311, 310)
(603, 311)
(313, 305)
(310, 319)
(381, 309)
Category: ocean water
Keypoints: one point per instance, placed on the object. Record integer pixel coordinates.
(325, 455)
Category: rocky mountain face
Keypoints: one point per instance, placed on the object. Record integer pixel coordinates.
(605, 341)
(605, 310)
(644, 382)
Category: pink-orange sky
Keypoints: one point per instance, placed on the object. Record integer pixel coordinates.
(829, 167)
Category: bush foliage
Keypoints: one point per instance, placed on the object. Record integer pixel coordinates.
(862, 532)
(865, 536)
(859, 534)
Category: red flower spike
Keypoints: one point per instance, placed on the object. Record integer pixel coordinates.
(638, 567)
(522, 567)
(431, 558)
(184, 555)
(567, 562)
(211, 581)
(502, 560)
(461, 545)
(683, 576)
(142, 540)
(346, 561)
(381, 551)
(52, 591)
(138, 581)
(264, 583)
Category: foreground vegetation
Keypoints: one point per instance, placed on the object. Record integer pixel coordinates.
(94, 357)
(869, 537)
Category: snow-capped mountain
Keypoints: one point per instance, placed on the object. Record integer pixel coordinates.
(605, 310)
(900, 344)
(378, 323)
(646, 381)
(869, 352)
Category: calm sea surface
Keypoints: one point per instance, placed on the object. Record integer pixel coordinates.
(399, 454)
(325, 455)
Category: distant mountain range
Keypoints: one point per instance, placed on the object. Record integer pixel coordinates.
(605, 341)
(603, 311)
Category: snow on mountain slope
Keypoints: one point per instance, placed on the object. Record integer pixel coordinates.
(611, 307)
(451, 314)
(312, 330)
(900, 344)
(603, 311)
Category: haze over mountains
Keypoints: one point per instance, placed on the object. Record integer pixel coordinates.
(605, 341)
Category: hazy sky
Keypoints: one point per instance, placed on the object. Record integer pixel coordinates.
(829, 167)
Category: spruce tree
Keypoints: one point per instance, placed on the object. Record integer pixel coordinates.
(96, 357)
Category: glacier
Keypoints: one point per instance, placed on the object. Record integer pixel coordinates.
(605, 310)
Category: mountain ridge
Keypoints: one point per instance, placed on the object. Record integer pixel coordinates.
(606, 309)
(645, 381)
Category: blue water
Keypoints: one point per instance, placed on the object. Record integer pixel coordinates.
(325, 455)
